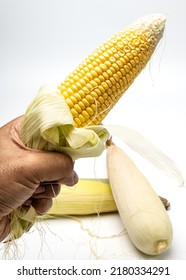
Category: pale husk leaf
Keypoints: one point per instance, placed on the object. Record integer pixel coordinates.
(48, 125)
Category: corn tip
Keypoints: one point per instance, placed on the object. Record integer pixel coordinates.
(161, 246)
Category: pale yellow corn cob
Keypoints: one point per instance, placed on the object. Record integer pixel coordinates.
(96, 85)
(88, 196)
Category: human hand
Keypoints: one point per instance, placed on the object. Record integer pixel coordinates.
(24, 172)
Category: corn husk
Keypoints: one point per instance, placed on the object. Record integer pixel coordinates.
(48, 125)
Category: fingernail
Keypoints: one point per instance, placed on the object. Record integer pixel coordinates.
(75, 178)
(40, 189)
(28, 202)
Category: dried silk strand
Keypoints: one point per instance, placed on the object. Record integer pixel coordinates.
(149, 151)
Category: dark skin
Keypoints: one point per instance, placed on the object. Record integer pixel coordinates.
(23, 173)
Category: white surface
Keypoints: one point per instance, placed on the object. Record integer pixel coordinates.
(42, 41)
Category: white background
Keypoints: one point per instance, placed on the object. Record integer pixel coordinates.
(41, 42)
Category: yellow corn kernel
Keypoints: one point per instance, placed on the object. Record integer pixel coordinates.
(111, 69)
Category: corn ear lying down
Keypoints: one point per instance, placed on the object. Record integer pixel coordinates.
(67, 117)
(141, 211)
(87, 197)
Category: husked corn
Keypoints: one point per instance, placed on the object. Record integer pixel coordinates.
(89, 196)
(100, 80)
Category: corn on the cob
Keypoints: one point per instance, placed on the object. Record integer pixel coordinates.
(140, 209)
(99, 81)
(88, 196)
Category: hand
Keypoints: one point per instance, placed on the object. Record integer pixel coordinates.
(23, 172)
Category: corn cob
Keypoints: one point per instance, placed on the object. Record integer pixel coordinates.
(97, 84)
(88, 196)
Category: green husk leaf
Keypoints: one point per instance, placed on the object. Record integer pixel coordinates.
(22, 220)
